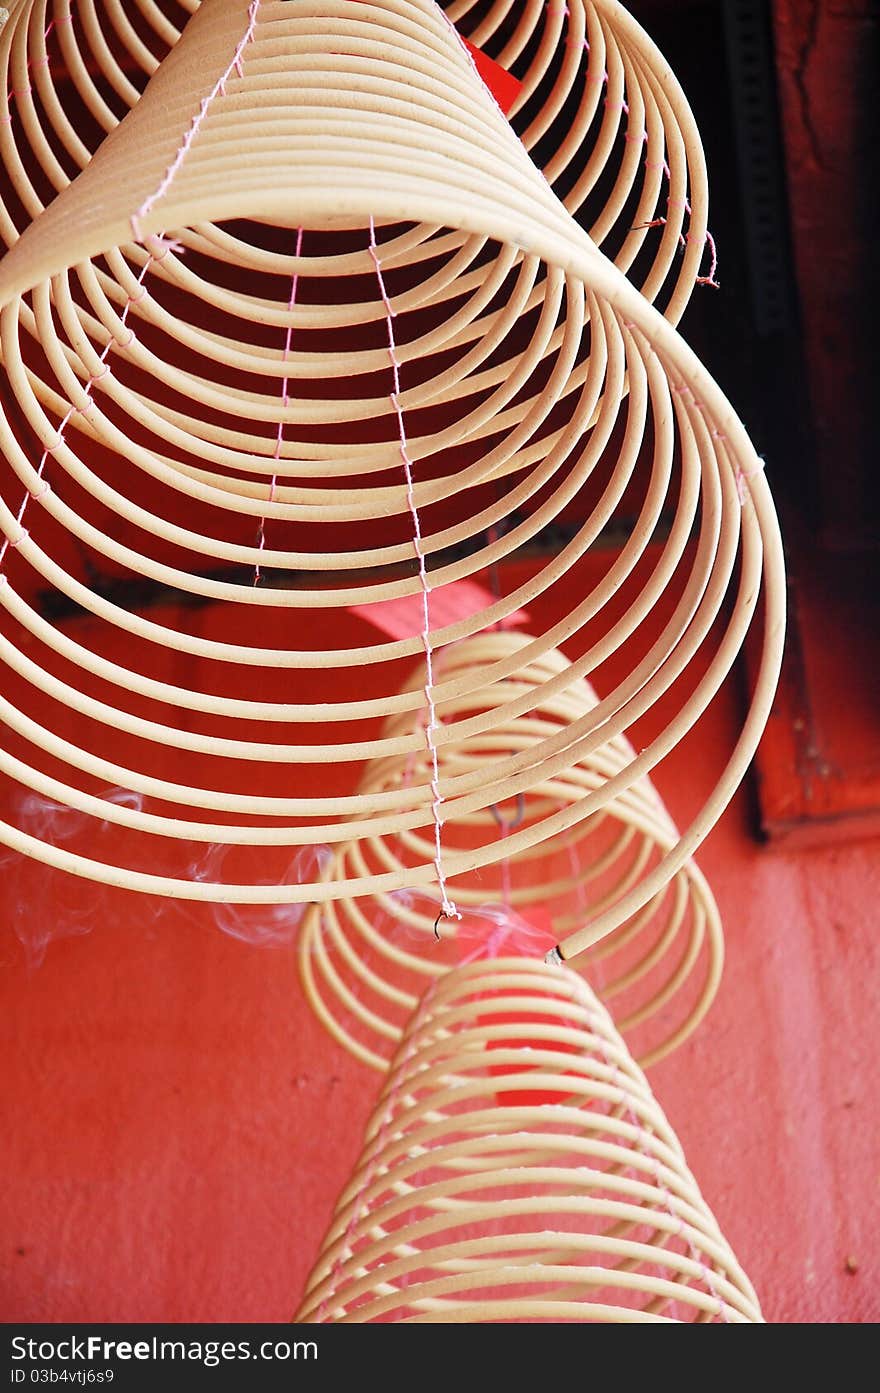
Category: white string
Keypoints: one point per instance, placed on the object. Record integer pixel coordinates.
(285, 400)
(447, 906)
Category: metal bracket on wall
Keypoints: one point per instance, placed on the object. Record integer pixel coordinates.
(761, 164)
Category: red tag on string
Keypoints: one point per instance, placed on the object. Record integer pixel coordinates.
(505, 88)
(527, 1097)
(501, 933)
(497, 931)
(448, 604)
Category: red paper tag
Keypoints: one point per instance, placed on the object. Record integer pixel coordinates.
(532, 937)
(502, 84)
(448, 604)
(526, 1097)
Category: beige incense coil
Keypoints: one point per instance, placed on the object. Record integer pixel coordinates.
(518, 1168)
(365, 963)
(69, 72)
(599, 106)
(472, 359)
(596, 101)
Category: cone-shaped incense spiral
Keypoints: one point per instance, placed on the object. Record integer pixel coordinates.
(202, 400)
(366, 962)
(498, 1183)
(589, 92)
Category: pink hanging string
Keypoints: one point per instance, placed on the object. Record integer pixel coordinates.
(470, 58)
(279, 438)
(219, 88)
(741, 475)
(447, 906)
(40, 492)
(497, 929)
(159, 246)
(710, 278)
(44, 61)
(641, 137)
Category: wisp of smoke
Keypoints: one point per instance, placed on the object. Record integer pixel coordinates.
(44, 904)
(266, 926)
(495, 928)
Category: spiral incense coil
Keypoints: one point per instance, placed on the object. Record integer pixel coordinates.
(361, 437)
(69, 72)
(518, 1168)
(365, 963)
(596, 102)
(599, 102)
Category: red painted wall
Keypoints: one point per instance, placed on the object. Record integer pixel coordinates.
(177, 1124)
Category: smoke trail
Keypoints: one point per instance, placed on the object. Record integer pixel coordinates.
(265, 926)
(44, 904)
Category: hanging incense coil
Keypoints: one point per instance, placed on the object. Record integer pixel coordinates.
(595, 101)
(596, 97)
(518, 1168)
(69, 72)
(365, 963)
(480, 344)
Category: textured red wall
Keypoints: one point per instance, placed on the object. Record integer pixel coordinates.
(826, 58)
(177, 1124)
